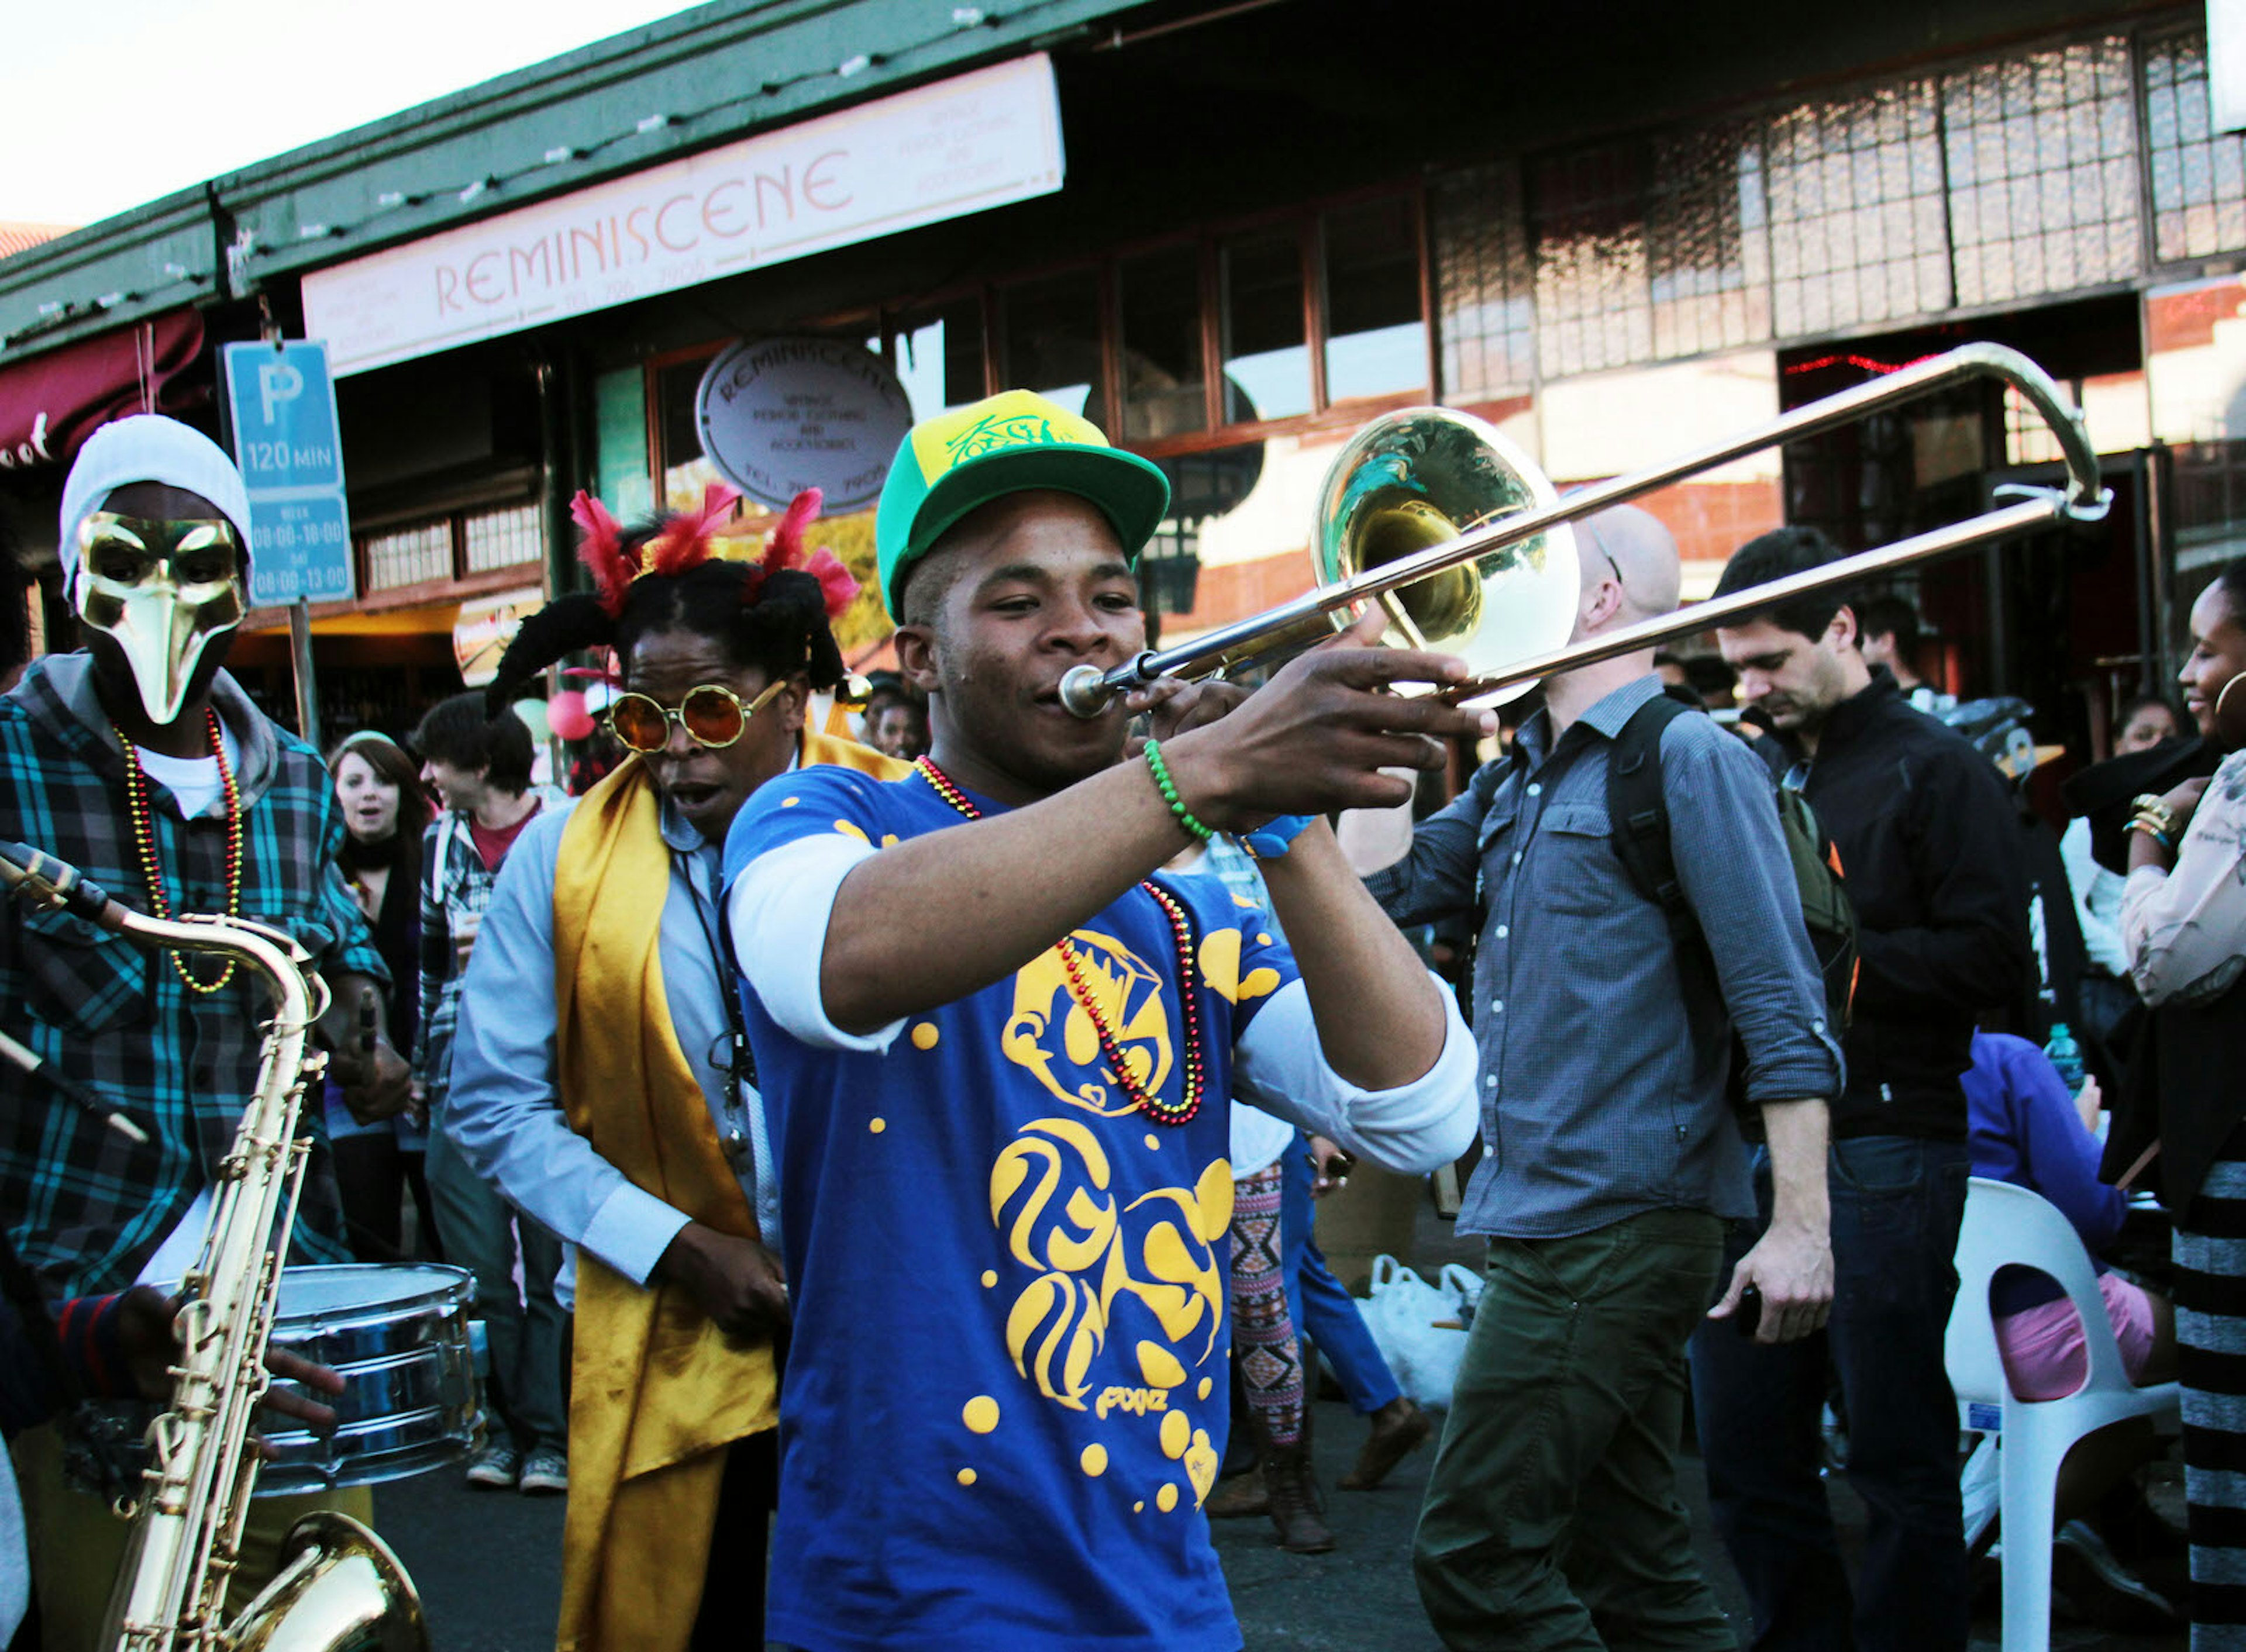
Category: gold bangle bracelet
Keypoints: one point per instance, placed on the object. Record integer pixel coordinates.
(2148, 807)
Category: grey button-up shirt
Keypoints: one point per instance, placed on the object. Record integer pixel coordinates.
(1603, 1062)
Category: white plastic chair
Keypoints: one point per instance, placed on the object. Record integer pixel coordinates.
(2007, 1226)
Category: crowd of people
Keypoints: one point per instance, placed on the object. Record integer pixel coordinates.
(885, 1154)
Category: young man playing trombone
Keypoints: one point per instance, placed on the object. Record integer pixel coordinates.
(996, 1048)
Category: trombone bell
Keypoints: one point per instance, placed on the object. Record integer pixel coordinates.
(1422, 477)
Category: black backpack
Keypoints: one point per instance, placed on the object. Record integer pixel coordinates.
(1638, 811)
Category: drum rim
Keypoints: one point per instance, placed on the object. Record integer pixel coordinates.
(441, 1285)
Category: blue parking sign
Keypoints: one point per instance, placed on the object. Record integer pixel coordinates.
(281, 402)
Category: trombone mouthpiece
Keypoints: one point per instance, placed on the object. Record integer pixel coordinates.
(1084, 690)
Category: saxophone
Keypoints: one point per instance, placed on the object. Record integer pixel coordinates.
(340, 1589)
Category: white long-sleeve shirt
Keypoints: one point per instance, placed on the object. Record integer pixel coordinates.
(2185, 929)
(505, 1110)
(2097, 900)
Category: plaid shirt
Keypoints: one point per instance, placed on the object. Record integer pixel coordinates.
(455, 885)
(86, 1207)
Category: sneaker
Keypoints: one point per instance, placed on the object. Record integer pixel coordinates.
(2102, 1589)
(544, 1471)
(494, 1468)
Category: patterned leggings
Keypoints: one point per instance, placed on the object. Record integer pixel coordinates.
(1263, 1329)
(2210, 1320)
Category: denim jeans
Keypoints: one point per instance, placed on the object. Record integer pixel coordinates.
(1325, 1311)
(1551, 1519)
(525, 1330)
(1896, 1204)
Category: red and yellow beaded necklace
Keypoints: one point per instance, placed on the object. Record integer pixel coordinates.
(144, 839)
(1195, 1075)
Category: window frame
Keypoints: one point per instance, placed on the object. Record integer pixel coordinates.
(1307, 217)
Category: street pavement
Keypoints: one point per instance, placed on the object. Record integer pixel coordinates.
(488, 1564)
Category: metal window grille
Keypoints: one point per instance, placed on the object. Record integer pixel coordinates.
(2198, 174)
(1708, 243)
(409, 555)
(2042, 152)
(1484, 284)
(1856, 230)
(503, 538)
(1594, 305)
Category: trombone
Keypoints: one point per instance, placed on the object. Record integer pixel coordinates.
(1393, 503)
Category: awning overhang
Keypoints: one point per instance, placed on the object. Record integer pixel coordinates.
(52, 402)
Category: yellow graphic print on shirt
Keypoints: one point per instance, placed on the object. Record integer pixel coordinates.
(1053, 1199)
(1129, 997)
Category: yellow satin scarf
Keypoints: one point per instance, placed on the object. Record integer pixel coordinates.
(657, 1392)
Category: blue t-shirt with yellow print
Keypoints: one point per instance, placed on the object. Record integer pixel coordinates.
(1005, 1396)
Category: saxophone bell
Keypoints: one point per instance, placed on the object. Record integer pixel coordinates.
(340, 1589)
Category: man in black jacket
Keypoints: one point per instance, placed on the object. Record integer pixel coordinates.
(1928, 842)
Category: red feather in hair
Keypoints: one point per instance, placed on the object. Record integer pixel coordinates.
(686, 542)
(601, 552)
(838, 586)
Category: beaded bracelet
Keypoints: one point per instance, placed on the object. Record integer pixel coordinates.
(1161, 774)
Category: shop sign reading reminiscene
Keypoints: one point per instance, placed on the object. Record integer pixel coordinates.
(961, 146)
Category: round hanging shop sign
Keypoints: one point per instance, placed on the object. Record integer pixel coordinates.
(778, 415)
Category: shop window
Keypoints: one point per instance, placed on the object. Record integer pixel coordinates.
(1050, 334)
(1266, 346)
(2198, 174)
(2042, 153)
(409, 556)
(1375, 325)
(938, 354)
(1131, 343)
(503, 538)
(1158, 301)
(1856, 204)
(1485, 325)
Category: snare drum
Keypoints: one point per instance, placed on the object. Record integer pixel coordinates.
(399, 1336)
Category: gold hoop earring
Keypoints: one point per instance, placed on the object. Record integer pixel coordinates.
(2234, 737)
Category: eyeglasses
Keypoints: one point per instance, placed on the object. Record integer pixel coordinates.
(712, 715)
(1592, 534)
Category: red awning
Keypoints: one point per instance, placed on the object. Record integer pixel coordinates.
(50, 403)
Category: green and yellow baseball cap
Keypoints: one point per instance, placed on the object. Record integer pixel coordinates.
(1010, 443)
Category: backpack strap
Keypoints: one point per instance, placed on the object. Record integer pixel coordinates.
(1637, 812)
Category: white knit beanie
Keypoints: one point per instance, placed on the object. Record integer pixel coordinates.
(148, 447)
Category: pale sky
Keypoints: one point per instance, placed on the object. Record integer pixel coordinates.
(107, 104)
